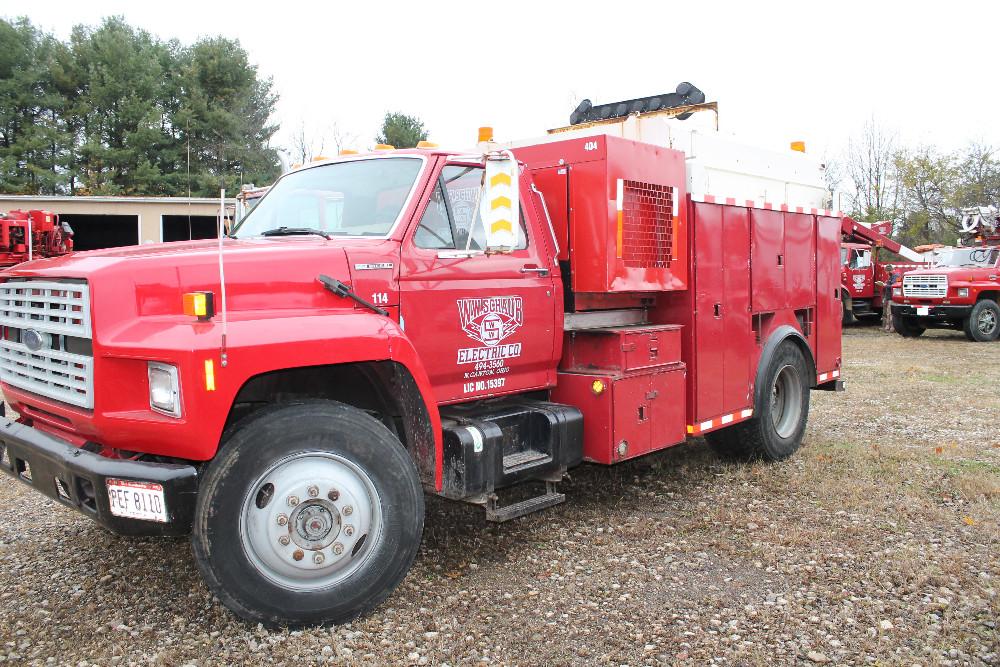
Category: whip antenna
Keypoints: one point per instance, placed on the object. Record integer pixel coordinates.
(222, 272)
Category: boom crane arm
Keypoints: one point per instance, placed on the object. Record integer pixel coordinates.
(855, 231)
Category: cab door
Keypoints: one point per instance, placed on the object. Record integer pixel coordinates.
(484, 325)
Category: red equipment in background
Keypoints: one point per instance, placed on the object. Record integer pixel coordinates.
(49, 236)
(866, 270)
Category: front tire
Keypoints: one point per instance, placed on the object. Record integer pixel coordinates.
(781, 410)
(983, 323)
(905, 326)
(311, 513)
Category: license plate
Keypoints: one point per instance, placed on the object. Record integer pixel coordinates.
(923, 310)
(137, 500)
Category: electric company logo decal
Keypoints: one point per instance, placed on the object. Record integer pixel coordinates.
(490, 321)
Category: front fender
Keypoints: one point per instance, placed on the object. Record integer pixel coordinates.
(122, 418)
(319, 340)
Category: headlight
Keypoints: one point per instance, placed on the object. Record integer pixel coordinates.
(164, 389)
(963, 292)
(897, 291)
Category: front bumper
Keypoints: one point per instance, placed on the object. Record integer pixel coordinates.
(77, 478)
(933, 312)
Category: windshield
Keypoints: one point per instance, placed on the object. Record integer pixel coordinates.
(355, 198)
(984, 257)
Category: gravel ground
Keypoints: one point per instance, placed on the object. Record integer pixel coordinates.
(878, 543)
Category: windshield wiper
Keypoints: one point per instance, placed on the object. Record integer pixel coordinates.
(295, 231)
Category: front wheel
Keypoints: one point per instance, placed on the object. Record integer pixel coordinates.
(907, 327)
(983, 323)
(311, 513)
(780, 412)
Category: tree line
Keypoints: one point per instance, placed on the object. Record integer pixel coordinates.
(921, 189)
(116, 111)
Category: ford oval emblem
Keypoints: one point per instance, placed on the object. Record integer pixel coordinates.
(33, 340)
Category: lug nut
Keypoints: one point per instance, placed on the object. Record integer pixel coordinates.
(298, 555)
(348, 510)
(333, 495)
(282, 520)
(338, 548)
(313, 491)
(348, 530)
(293, 501)
(318, 558)
(283, 540)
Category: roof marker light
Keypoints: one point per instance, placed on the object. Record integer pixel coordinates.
(384, 147)
(426, 144)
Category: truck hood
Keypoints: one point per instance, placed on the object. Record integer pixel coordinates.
(262, 275)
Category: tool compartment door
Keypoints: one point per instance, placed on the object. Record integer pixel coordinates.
(738, 337)
(800, 263)
(709, 343)
(828, 304)
(767, 231)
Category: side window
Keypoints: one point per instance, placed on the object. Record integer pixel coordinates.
(452, 214)
(462, 185)
(434, 231)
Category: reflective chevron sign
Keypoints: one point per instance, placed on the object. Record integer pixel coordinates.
(499, 206)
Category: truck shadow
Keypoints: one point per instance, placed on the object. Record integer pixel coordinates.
(457, 533)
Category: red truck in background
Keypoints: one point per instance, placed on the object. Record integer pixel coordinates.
(48, 236)
(866, 267)
(962, 289)
(399, 322)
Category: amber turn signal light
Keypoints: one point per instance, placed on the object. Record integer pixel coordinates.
(199, 304)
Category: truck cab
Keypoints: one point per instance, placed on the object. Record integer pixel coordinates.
(389, 324)
(961, 292)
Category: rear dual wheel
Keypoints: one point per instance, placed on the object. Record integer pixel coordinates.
(311, 513)
(780, 412)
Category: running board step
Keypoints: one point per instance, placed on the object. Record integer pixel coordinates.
(498, 514)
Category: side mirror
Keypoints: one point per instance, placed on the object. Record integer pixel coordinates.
(500, 206)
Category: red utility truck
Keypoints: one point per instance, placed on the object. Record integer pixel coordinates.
(48, 236)
(961, 290)
(400, 322)
(865, 268)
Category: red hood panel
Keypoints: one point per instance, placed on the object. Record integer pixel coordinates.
(262, 275)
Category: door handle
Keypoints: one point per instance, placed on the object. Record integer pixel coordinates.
(531, 268)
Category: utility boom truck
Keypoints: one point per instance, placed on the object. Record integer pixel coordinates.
(866, 270)
(962, 290)
(403, 322)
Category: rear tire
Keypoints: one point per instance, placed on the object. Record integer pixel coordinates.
(311, 513)
(983, 323)
(905, 326)
(781, 410)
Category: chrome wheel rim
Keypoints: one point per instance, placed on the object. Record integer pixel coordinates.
(786, 401)
(310, 521)
(987, 322)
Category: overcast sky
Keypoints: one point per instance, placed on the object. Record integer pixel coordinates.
(812, 71)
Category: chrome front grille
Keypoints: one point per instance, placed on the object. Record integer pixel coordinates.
(46, 324)
(925, 286)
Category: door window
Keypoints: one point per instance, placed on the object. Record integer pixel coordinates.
(452, 215)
